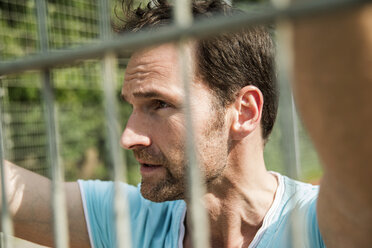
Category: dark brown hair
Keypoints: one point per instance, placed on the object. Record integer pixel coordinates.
(226, 62)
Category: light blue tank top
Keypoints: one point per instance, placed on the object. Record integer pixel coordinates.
(160, 224)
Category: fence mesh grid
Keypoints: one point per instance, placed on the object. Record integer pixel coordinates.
(79, 96)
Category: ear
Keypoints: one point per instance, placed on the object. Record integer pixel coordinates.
(247, 112)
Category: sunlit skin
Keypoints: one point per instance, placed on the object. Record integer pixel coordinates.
(230, 147)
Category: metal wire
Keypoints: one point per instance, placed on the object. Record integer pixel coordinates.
(60, 226)
(121, 208)
(197, 213)
(109, 65)
(64, 15)
(203, 28)
(61, 238)
(20, 20)
(289, 117)
(108, 46)
(6, 220)
(288, 120)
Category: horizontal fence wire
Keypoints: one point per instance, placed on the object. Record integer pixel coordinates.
(202, 28)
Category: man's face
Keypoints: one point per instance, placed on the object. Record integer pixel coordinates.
(156, 130)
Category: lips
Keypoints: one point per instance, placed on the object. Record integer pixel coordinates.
(148, 168)
(149, 165)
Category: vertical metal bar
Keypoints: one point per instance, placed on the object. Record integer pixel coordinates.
(229, 2)
(288, 124)
(109, 65)
(121, 208)
(60, 225)
(196, 187)
(6, 220)
(288, 118)
(42, 25)
(61, 239)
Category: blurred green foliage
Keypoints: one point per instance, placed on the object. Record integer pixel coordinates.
(79, 97)
(78, 93)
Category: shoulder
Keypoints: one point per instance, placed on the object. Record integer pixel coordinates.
(299, 193)
(295, 223)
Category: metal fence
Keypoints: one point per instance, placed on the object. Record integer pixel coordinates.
(49, 63)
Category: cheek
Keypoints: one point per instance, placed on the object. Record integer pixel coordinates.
(172, 145)
(174, 126)
(203, 118)
(169, 133)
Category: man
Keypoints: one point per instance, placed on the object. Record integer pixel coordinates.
(234, 101)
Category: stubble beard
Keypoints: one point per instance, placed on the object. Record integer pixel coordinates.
(169, 189)
(172, 185)
(213, 150)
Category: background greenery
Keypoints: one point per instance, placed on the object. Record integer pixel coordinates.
(80, 113)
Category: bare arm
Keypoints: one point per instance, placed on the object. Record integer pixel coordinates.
(334, 92)
(29, 197)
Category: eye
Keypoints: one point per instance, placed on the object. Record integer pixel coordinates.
(159, 104)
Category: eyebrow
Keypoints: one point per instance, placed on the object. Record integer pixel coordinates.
(144, 94)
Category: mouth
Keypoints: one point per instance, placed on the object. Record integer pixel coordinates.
(149, 168)
(149, 165)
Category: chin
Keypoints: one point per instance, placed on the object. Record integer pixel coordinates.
(161, 194)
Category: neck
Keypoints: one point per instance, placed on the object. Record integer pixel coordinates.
(238, 201)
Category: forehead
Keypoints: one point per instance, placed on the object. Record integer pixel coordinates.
(162, 58)
(152, 68)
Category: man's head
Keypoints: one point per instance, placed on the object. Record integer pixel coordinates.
(227, 62)
(156, 129)
(225, 67)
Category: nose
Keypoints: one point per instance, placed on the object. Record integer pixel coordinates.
(134, 134)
